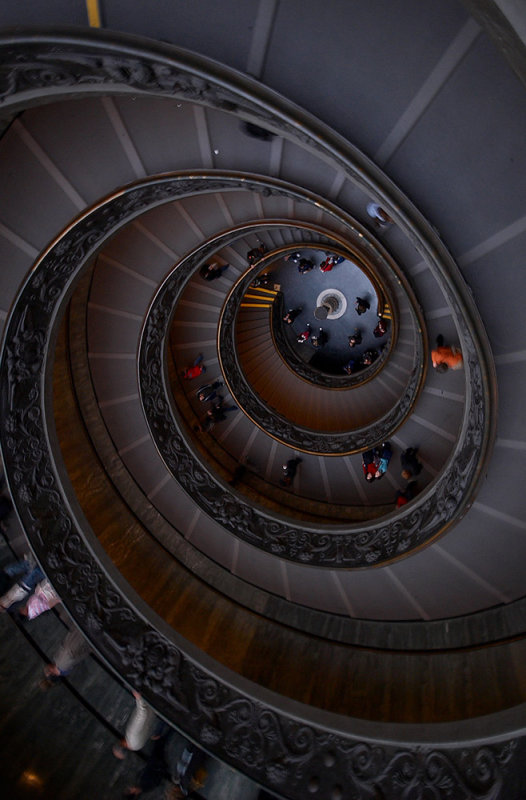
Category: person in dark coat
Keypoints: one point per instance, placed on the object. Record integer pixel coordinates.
(216, 414)
(208, 392)
(368, 357)
(355, 338)
(362, 305)
(294, 258)
(403, 496)
(369, 465)
(319, 339)
(209, 272)
(265, 279)
(291, 315)
(305, 265)
(381, 328)
(255, 254)
(156, 769)
(411, 466)
(289, 471)
(351, 367)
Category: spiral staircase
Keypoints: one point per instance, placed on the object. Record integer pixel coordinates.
(313, 637)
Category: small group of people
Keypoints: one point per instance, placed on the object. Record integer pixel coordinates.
(304, 265)
(356, 338)
(34, 591)
(367, 358)
(376, 461)
(318, 339)
(30, 596)
(330, 261)
(218, 410)
(208, 394)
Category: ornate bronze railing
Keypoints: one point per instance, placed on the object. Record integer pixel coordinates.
(209, 703)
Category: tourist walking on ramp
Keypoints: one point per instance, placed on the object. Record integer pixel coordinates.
(411, 466)
(289, 471)
(444, 357)
(194, 370)
(139, 727)
(382, 460)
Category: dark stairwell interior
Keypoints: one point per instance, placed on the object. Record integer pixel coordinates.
(273, 602)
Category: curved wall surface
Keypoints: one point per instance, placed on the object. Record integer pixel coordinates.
(110, 134)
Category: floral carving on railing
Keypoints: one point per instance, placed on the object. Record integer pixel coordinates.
(282, 338)
(283, 429)
(287, 751)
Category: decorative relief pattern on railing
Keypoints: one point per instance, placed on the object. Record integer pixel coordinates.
(280, 752)
(292, 758)
(283, 429)
(304, 368)
(41, 64)
(357, 546)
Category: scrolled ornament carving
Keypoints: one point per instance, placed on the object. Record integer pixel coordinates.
(295, 435)
(287, 753)
(357, 546)
(304, 369)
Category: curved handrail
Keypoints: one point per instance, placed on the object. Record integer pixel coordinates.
(456, 486)
(495, 625)
(360, 545)
(314, 375)
(276, 425)
(302, 368)
(43, 68)
(279, 427)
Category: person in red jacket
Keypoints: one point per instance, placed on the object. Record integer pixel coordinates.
(304, 335)
(369, 464)
(195, 370)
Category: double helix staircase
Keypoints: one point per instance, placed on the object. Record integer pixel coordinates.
(317, 615)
